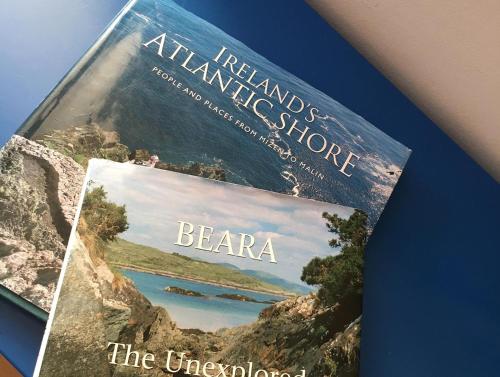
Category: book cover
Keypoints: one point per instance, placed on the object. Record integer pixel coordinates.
(170, 274)
(162, 87)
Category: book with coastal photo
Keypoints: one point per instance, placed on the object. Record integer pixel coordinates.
(162, 87)
(169, 274)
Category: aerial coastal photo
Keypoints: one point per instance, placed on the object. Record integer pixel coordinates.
(197, 271)
(125, 102)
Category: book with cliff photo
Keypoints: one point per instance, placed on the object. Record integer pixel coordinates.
(164, 88)
(170, 274)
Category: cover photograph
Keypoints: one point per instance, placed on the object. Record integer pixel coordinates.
(163, 88)
(169, 274)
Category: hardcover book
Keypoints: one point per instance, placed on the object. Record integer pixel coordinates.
(163, 88)
(169, 274)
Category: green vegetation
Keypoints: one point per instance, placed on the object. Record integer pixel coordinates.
(86, 142)
(89, 140)
(232, 296)
(340, 281)
(105, 219)
(128, 254)
(184, 292)
(341, 276)
(100, 222)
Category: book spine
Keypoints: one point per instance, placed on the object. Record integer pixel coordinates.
(24, 304)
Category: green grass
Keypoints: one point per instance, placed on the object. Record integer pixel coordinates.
(126, 253)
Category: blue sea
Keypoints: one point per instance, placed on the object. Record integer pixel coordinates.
(208, 313)
(114, 86)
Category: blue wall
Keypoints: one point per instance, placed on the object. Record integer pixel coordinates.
(431, 289)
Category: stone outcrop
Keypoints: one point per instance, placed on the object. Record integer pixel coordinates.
(87, 141)
(97, 306)
(39, 190)
(296, 334)
(39, 187)
(82, 143)
(340, 356)
(78, 331)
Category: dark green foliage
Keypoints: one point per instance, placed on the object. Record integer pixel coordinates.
(105, 219)
(341, 275)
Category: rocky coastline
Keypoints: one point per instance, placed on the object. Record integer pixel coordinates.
(98, 306)
(39, 190)
(81, 143)
(40, 184)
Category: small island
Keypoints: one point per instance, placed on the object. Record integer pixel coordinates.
(244, 298)
(182, 291)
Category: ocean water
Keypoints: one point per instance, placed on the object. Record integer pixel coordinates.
(114, 86)
(205, 313)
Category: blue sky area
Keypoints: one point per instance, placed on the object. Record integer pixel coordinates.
(156, 200)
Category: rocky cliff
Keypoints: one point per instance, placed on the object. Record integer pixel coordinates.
(39, 187)
(39, 191)
(297, 334)
(97, 306)
(87, 141)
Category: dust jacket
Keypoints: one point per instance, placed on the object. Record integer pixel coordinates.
(164, 88)
(169, 274)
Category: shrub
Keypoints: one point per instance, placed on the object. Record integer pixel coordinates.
(104, 218)
(341, 275)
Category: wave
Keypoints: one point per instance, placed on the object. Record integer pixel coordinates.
(289, 177)
(329, 117)
(182, 37)
(382, 175)
(142, 17)
(275, 137)
(237, 101)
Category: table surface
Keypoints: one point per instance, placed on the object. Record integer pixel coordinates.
(454, 77)
(431, 304)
